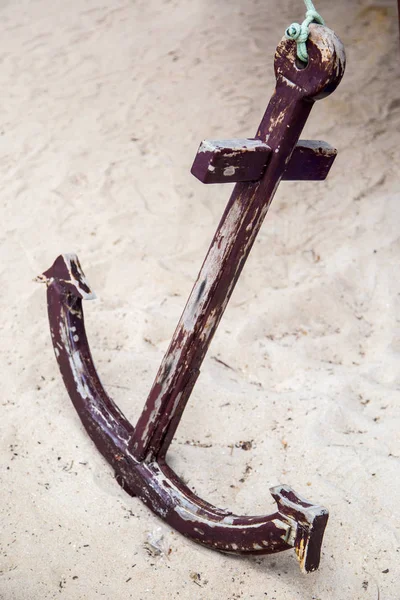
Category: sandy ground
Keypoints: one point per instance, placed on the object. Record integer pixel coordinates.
(101, 114)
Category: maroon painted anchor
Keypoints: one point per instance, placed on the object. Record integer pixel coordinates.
(137, 454)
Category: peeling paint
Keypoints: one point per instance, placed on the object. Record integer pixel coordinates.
(229, 171)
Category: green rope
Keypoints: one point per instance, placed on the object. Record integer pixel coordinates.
(299, 33)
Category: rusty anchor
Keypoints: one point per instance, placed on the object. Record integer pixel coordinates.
(138, 454)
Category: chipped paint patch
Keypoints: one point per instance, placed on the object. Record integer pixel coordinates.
(229, 171)
(76, 366)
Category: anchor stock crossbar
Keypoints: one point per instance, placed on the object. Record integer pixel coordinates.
(138, 454)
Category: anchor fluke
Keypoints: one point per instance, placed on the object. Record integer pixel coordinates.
(309, 522)
(67, 270)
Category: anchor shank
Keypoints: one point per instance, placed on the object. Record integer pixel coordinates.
(280, 127)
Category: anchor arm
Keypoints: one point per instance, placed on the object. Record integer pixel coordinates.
(155, 482)
(105, 423)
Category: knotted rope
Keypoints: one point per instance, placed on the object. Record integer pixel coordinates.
(299, 33)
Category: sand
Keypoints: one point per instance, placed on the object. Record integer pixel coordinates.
(102, 111)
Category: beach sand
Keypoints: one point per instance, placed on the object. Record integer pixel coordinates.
(103, 106)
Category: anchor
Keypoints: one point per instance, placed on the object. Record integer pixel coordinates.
(138, 454)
